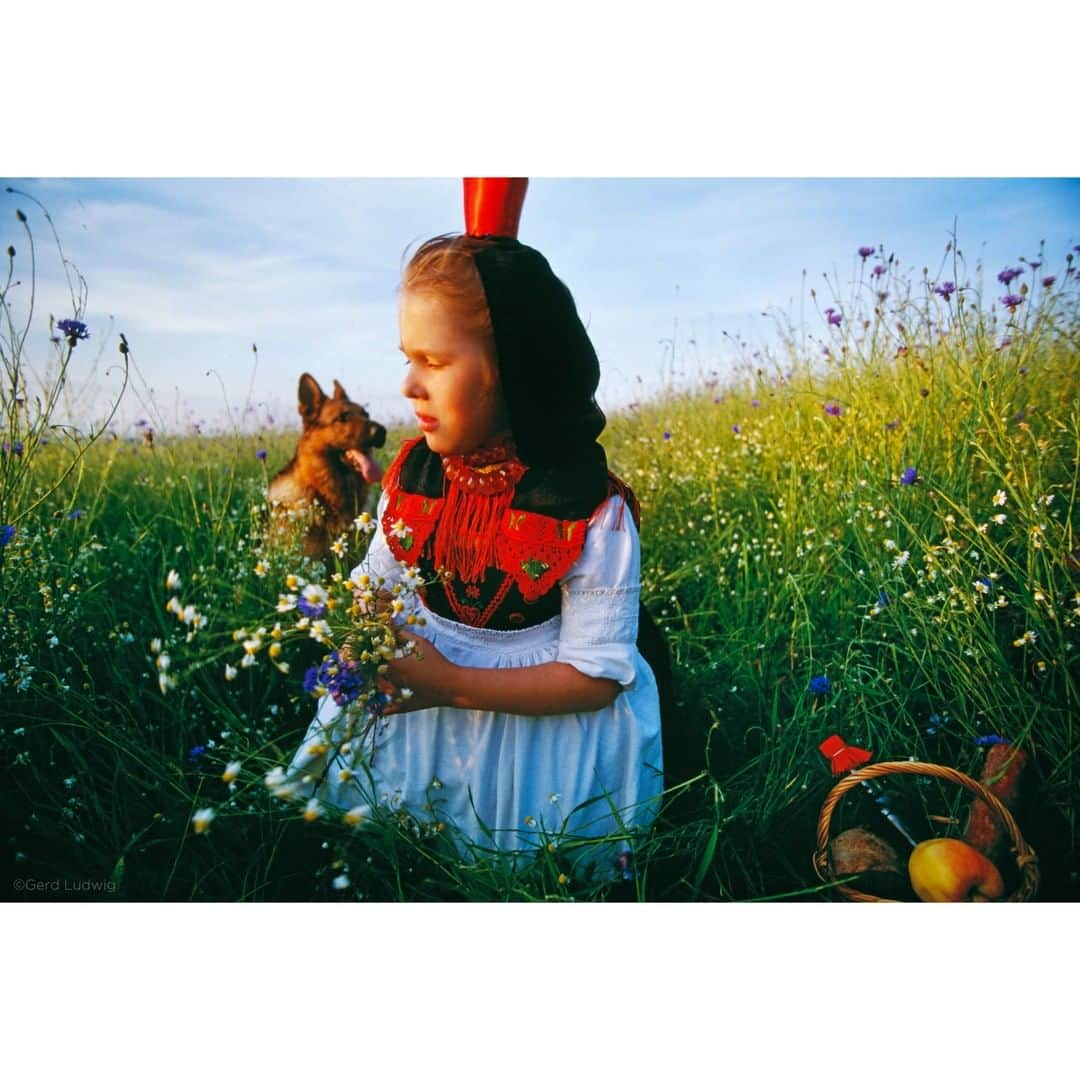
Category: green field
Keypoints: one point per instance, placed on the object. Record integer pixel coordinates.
(895, 514)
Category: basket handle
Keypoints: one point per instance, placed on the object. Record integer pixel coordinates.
(1026, 859)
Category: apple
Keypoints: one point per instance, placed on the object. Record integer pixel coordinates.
(945, 869)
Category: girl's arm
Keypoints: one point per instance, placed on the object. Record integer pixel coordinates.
(542, 690)
(597, 643)
(547, 689)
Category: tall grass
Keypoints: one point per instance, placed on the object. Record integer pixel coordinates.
(885, 498)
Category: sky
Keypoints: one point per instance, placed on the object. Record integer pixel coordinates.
(196, 271)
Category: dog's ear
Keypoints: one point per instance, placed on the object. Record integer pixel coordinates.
(310, 396)
(339, 392)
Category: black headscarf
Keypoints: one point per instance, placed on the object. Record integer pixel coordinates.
(549, 374)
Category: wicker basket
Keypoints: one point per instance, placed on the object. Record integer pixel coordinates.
(1026, 860)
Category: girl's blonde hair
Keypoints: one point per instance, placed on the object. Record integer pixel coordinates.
(444, 267)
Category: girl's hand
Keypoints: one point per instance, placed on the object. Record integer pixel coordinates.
(425, 671)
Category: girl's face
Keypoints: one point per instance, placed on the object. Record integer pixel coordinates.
(452, 380)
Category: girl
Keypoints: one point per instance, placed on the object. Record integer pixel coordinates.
(534, 719)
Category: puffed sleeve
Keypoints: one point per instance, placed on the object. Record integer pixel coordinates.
(600, 597)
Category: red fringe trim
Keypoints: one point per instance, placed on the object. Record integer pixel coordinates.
(466, 543)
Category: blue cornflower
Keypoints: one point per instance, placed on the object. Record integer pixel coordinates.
(882, 598)
(340, 678)
(736, 429)
(1008, 275)
(945, 289)
(667, 436)
(15, 448)
(74, 515)
(937, 723)
(196, 752)
(260, 454)
(909, 476)
(312, 611)
(991, 740)
(866, 252)
(7, 534)
(1012, 301)
(73, 330)
(819, 684)
(833, 408)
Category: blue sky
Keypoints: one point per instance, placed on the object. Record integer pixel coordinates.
(195, 271)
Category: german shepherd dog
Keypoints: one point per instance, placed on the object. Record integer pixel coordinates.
(332, 468)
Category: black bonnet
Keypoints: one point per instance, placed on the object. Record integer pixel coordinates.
(547, 364)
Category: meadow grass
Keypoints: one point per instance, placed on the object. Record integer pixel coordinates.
(888, 503)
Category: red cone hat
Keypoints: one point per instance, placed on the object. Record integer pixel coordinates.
(493, 205)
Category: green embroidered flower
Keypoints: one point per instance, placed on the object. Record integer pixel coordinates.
(535, 568)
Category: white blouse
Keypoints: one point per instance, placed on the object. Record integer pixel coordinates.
(498, 782)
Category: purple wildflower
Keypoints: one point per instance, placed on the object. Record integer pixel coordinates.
(1048, 281)
(260, 454)
(991, 740)
(945, 289)
(73, 330)
(1006, 342)
(667, 436)
(196, 752)
(341, 678)
(892, 425)
(1023, 370)
(7, 534)
(1035, 264)
(833, 408)
(866, 252)
(755, 404)
(819, 684)
(736, 429)
(909, 476)
(825, 350)
(15, 448)
(1008, 275)
(833, 316)
(74, 515)
(1012, 301)
(878, 270)
(312, 611)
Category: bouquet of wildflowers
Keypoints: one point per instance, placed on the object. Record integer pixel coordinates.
(353, 616)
